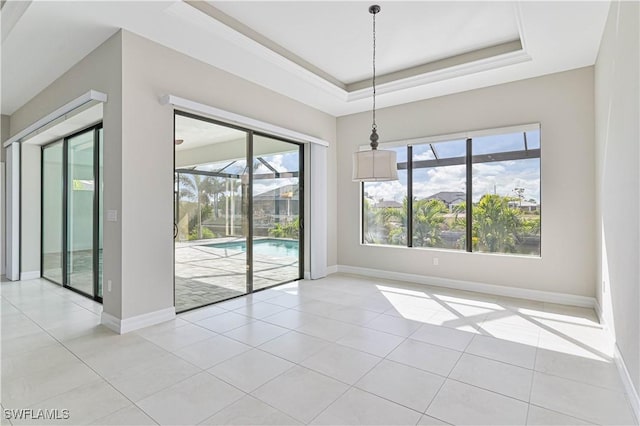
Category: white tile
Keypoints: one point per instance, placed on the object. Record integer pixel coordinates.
(325, 328)
(290, 318)
(319, 307)
(461, 404)
(514, 353)
(26, 343)
(354, 315)
(236, 303)
(202, 313)
(495, 376)
(539, 416)
(176, 338)
(294, 346)
(511, 333)
(108, 360)
(131, 415)
(425, 356)
(141, 381)
(37, 386)
(259, 310)
(371, 341)
(256, 333)
(442, 336)
(357, 407)
(250, 411)
(287, 300)
(208, 353)
(342, 363)
(224, 322)
(86, 403)
(597, 372)
(190, 401)
(580, 400)
(394, 325)
(431, 421)
(301, 393)
(402, 384)
(251, 369)
(47, 358)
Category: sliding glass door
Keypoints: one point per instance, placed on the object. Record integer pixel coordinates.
(237, 211)
(80, 214)
(71, 212)
(277, 211)
(52, 212)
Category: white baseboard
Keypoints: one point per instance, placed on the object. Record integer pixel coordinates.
(332, 269)
(122, 326)
(496, 290)
(29, 275)
(632, 393)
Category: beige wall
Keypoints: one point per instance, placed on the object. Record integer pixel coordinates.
(563, 105)
(30, 209)
(4, 135)
(617, 94)
(100, 70)
(149, 72)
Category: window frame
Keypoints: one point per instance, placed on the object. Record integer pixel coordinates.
(469, 161)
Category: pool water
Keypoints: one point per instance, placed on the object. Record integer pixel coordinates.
(266, 247)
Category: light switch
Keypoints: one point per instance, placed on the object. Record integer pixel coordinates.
(112, 215)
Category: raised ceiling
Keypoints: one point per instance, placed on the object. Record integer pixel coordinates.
(318, 53)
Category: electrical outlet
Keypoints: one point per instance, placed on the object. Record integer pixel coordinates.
(436, 261)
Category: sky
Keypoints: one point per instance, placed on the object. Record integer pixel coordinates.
(497, 177)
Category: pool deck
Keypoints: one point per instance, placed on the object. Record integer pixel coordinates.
(206, 275)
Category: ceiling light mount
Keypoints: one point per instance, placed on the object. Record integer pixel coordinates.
(374, 165)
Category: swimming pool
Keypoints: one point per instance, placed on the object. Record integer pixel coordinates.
(267, 247)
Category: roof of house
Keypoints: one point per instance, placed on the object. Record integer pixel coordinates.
(447, 197)
(388, 204)
(279, 193)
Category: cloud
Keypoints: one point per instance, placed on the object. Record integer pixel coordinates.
(488, 178)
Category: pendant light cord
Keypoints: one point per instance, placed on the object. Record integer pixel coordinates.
(374, 126)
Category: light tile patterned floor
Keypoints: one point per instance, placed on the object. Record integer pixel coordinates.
(341, 350)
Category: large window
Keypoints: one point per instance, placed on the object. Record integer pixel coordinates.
(477, 194)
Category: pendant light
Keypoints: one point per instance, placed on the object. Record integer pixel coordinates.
(374, 165)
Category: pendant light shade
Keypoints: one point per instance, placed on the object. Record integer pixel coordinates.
(374, 165)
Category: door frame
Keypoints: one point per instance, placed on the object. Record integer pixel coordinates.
(250, 231)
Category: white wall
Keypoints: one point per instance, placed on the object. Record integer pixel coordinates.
(100, 70)
(563, 105)
(149, 72)
(617, 94)
(4, 135)
(30, 209)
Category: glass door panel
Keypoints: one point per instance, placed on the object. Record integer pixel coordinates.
(211, 212)
(52, 208)
(80, 212)
(277, 202)
(100, 208)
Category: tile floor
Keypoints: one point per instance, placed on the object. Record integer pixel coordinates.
(342, 350)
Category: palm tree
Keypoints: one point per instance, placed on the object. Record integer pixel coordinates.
(428, 218)
(495, 224)
(198, 188)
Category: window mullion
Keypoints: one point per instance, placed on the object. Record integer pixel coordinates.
(469, 199)
(409, 216)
